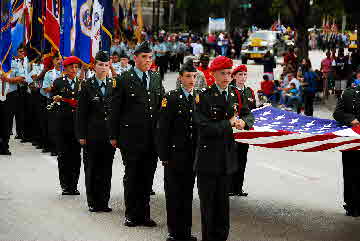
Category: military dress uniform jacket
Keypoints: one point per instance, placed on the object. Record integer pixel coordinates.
(94, 109)
(176, 131)
(65, 114)
(215, 152)
(348, 106)
(135, 111)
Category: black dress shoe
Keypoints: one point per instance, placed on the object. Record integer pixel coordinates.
(5, 153)
(106, 209)
(192, 238)
(353, 213)
(152, 193)
(38, 147)
(242, 194)
(45, 150)
(70, 192)
(53, 153)
(231, 194)
(94, 209)
(149, 223)
(130, 223)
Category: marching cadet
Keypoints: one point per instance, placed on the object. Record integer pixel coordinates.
(215, 161)
(135, 108)
(200, 81)
(35, 74)
(65, 92)
(347, 112)
(177, 140)
(48, 117)
(12, 102)
(247, 100)
(93, 110)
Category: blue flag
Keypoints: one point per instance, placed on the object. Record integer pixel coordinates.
(108, 24)
(5, 34)
(83, 30)
(17, 37)
(66, 25)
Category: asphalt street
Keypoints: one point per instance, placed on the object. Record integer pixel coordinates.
(292, 196)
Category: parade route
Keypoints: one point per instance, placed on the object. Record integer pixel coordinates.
(292, 196)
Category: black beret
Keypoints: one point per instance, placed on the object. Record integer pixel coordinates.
(144, 47)
(204, 57)
(188, 66)
(102, 56)
(116, 54)
(123, 55)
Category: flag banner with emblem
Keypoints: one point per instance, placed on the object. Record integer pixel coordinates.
(97, 21)
(283, 130)
(5, 35)
(52, 23)
(66, 26)
(83, 30)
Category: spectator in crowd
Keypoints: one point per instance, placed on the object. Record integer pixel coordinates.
(326, 72)
(269, 65)
(309, 86)
(198, 48)
(267, 88)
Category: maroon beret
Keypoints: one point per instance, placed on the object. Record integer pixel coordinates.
(71, 60)
(240, 68)
(221, 62)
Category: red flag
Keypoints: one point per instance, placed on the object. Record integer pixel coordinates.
(52, 23)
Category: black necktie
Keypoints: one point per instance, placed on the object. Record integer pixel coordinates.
(191, 98)
(144, 79)
(101, 88)
(224, 95)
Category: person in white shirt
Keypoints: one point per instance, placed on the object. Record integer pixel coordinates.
(198, 49)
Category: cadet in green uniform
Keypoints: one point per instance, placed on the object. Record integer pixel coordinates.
(347, 112)
(247, 101)
(65, 91)
(134, 114)
(177, 139)
(93, 110)
(215, 161)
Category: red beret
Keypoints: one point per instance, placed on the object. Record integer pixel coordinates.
(71, 60)
(221, 62)
(240, 68)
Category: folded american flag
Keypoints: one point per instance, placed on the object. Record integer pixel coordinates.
(275, 128)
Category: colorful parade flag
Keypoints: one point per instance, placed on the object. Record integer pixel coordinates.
(97, 21)
(139, 28)
(66, 26)
(283, 130)
(37, 33)
(5, 35)
(52, 22)
(107, 24)
(83, 30)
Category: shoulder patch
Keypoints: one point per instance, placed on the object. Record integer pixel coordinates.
(164, 102)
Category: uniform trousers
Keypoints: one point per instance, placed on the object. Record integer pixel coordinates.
(53, 122)
(4, 135)
(33, 119)
(69, 153)
(44, 126)
(237, 179)
(214, 206)
(179, 187)
(351, 175)
(98, 172)
(140, 168)
(21, 112)
(11, 105)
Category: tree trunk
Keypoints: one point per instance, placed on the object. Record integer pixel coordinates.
(300, 11)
